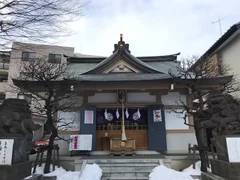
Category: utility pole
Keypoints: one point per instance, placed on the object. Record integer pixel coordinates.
(219, 23)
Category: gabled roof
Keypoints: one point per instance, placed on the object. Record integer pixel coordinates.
(83, 58)
(122, 77)
(223, 39)
(122, 53)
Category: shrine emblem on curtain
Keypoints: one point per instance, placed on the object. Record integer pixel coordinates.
(108, 115)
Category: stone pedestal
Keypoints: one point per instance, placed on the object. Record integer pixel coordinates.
(221, 146)
(225, 169)
(15, 172)
(210, 176)
(49, 178)
(34, 177)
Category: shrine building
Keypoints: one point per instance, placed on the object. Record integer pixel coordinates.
(149, 98)
(126, 101)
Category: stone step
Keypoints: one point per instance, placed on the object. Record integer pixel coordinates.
(124, 178)
(124, 161)
(127, 169)
(125, 174)
(130, 165)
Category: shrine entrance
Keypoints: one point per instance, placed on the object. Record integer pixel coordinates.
(109, 126)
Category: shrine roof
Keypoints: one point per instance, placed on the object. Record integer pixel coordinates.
(88, 64)
(122, 77)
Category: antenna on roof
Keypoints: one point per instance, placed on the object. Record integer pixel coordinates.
(219, 23)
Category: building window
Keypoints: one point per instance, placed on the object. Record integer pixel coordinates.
(55, 58)
(3, 78)
(27, 97)
(2, 98)
(28, 56)
(4, 64)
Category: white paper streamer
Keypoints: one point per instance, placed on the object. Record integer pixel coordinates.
(117, 114)
(106, 114)
(126, 113)
(138, 113)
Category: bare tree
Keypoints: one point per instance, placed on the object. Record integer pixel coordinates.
(43, 81)
(36, 20)
(202, 81)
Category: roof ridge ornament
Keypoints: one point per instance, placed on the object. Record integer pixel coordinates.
(121, 45)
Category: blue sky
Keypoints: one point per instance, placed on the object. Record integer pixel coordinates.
(151, 27)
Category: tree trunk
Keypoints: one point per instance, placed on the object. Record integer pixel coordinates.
(54, 134)
(197, 127)
(49, 152)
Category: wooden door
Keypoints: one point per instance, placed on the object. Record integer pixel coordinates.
(156, 128)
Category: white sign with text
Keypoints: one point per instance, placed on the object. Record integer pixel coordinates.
(6, 151)
(81, 142)
(233, 147)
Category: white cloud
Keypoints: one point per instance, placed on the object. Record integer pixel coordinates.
(152, 27)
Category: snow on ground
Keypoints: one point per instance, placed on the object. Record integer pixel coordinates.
(163, 173)
(90, 172)
(196, 171)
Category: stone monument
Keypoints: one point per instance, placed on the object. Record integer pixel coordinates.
(224, 119)
(16, 133)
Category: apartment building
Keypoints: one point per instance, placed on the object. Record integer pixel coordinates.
(4, 71)
(23, 52)
(10, 68)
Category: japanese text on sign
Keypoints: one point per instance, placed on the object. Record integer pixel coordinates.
(6, 148)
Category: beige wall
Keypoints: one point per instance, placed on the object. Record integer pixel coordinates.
(3, 86)
(42, 51)
(4, 72)
(230, 56)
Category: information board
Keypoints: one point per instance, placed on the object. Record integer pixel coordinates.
(81, 142)
(6, 151)
(233, 147)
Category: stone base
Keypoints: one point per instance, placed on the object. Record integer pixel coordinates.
(49, 178)
(15, 172)
(211, 176)
(225, 169)
(34, 177)
(40, 177)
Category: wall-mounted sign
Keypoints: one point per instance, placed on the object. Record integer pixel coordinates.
(6, 149)
(233, 147)
(157, 115)
(88, 117)
(81, 142)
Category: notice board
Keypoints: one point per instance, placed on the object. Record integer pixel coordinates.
(80, 142)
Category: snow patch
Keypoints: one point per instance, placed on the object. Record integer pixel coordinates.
(163, 173)
(90, 172)
(196, 171)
